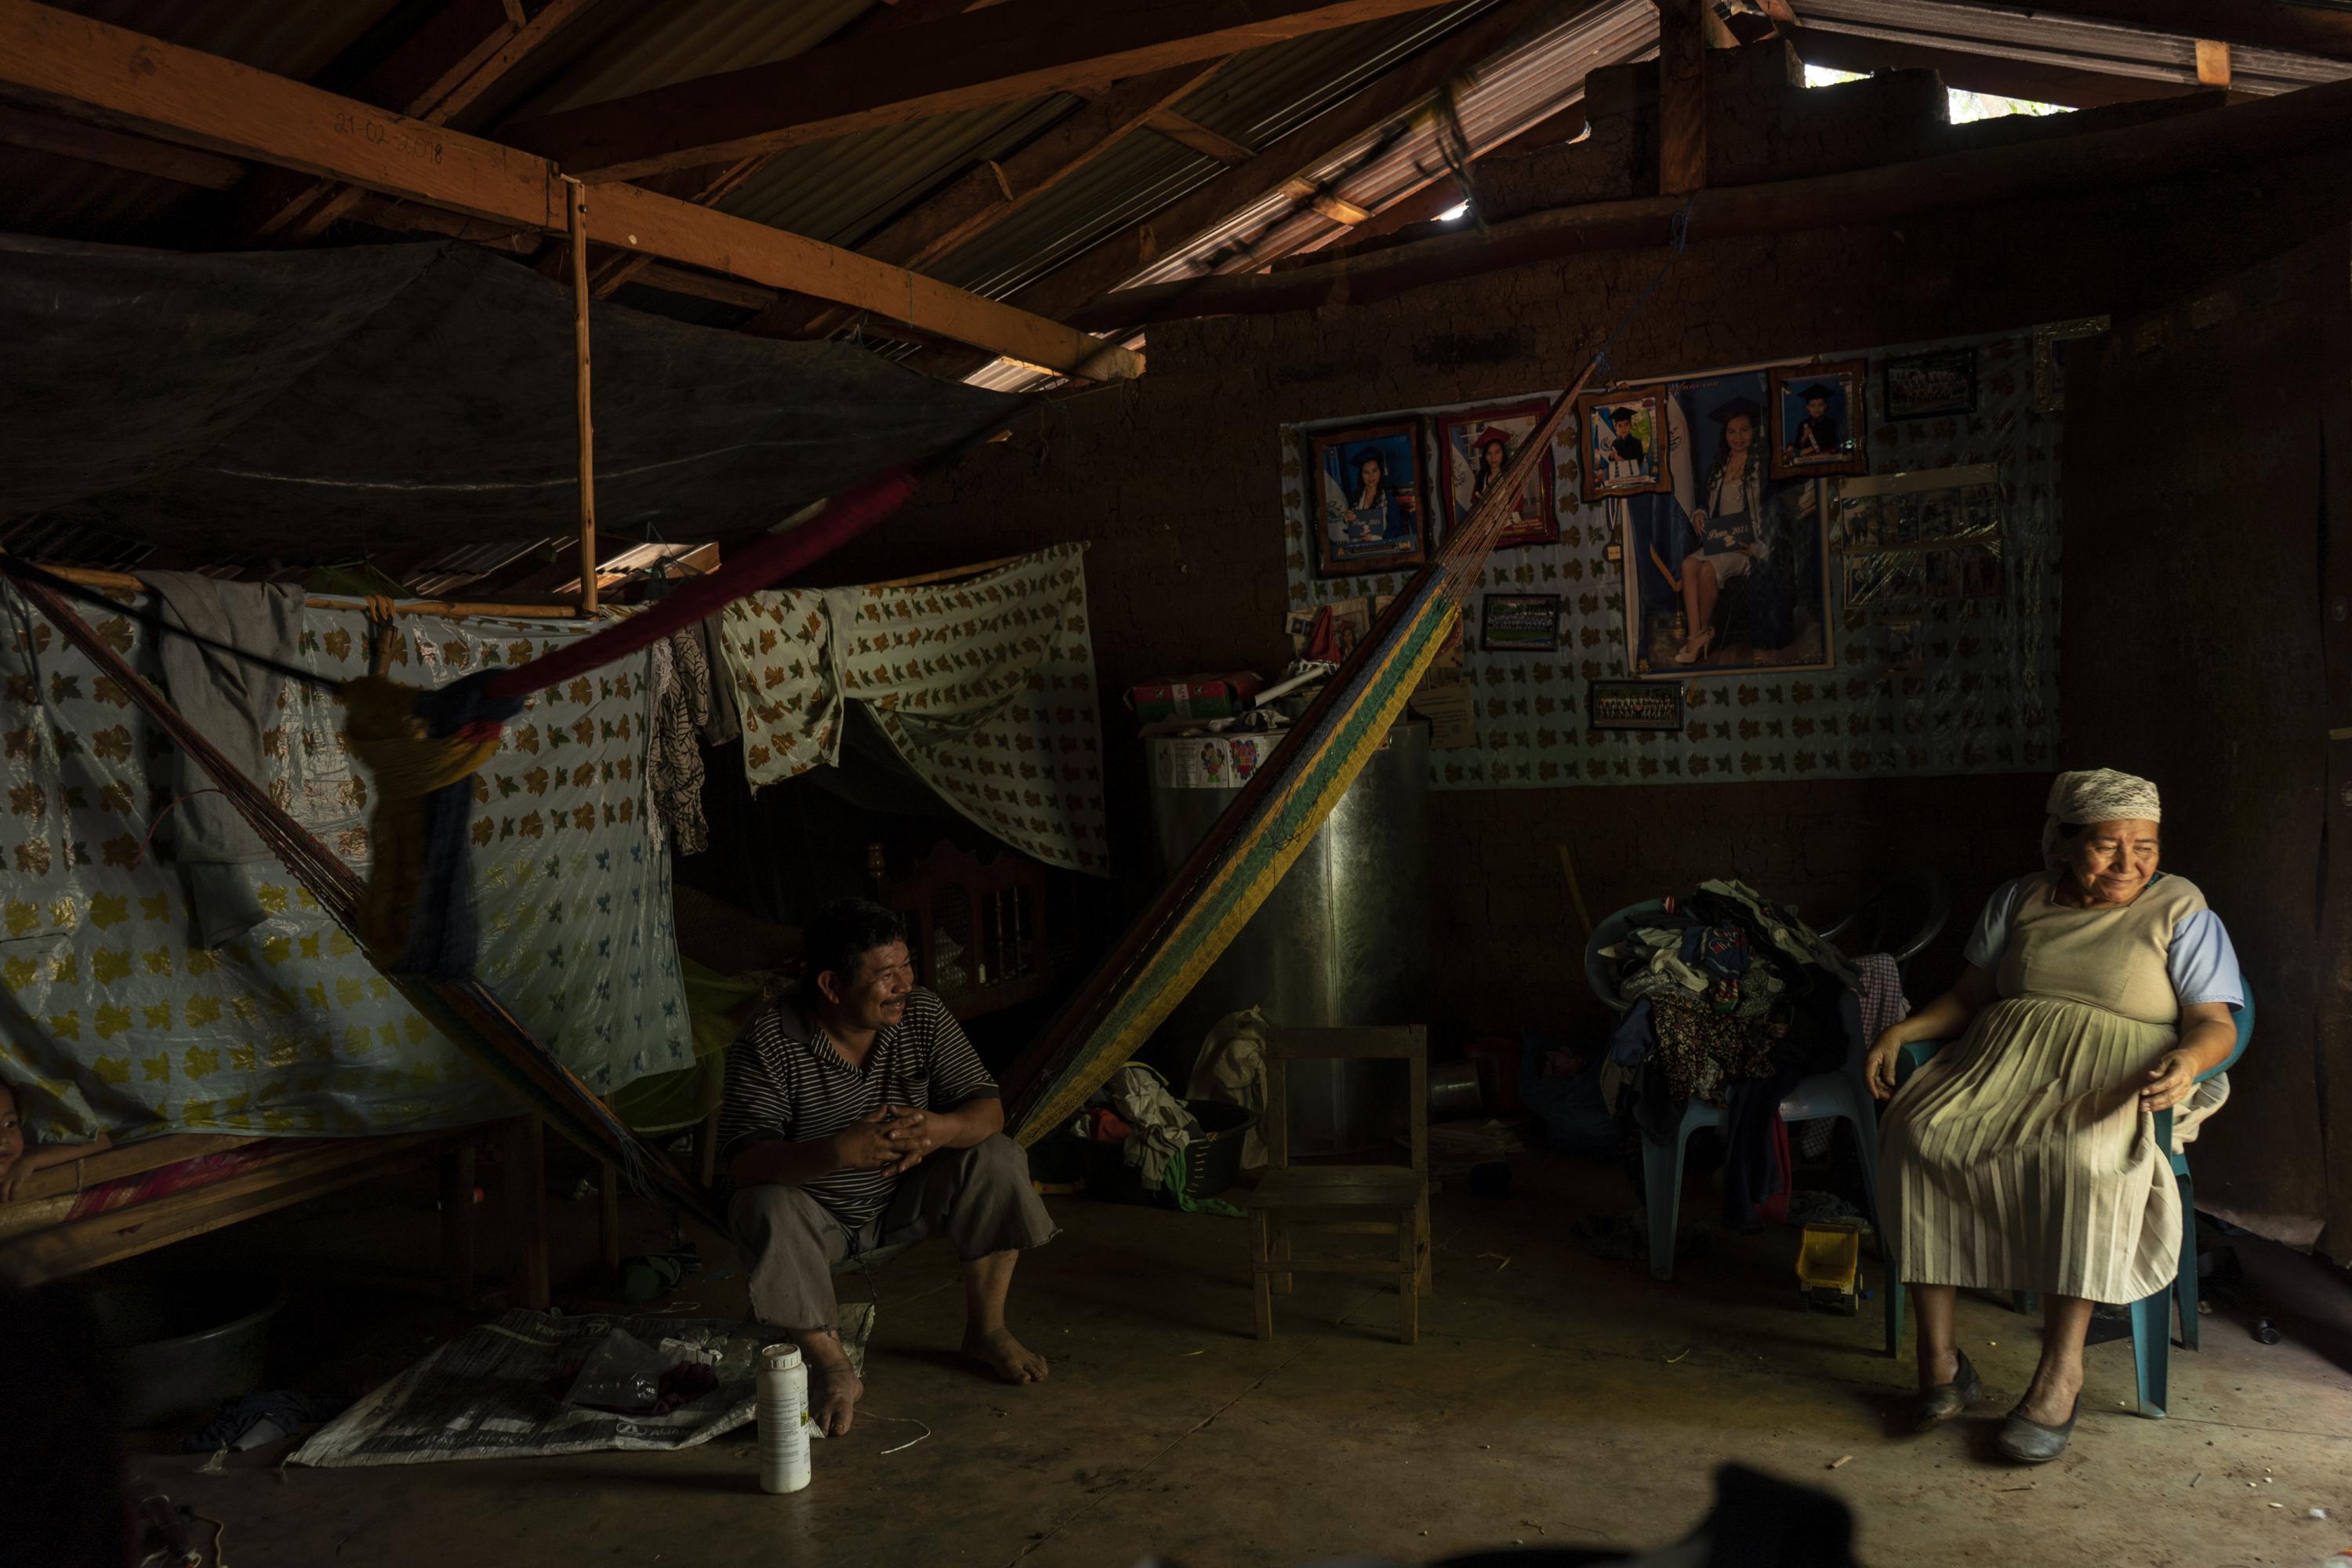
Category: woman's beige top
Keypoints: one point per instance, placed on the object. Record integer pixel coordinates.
(2091, 955)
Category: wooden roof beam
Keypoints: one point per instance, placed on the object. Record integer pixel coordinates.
(128, 80)
(1189, 132)
(2285, 25)
(1682, 96)
(444, 68)
(1017, 50)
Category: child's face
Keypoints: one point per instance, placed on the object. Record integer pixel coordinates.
(12, 1131)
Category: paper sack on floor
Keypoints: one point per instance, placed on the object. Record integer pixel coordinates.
(486, 1394)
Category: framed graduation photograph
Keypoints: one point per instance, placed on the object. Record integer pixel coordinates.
(1368, 514)
(1473, 450)
(1519, 623)
(1926, 386)
(1621, 442)
(1818, 420)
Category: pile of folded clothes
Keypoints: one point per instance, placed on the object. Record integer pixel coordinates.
(1732, 1001)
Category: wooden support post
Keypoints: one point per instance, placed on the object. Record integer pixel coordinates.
(457, 1222)
(454, 610)
(522, 1211)
(579, 206)
(706, 1150)
(1681, 98)
(608, 1222)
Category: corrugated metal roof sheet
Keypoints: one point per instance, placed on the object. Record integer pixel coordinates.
(1262, 96)
(678, 40)
(843, 190)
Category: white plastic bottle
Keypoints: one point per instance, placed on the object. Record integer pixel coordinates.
(784, 1420)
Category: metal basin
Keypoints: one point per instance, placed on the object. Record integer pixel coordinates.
(181, 1343)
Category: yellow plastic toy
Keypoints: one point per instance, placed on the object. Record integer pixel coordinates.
(1828, 1266)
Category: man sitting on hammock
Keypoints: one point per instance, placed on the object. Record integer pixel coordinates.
(856, 1115)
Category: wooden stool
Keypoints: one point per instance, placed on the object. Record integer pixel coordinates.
(1376, 1200)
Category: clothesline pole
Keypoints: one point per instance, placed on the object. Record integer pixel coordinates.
(445, 609)
(579, 376)
(948, 574)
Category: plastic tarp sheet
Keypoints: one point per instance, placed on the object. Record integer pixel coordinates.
(488, 1393)
(415, 394)
(984, 687)
(112, 1018)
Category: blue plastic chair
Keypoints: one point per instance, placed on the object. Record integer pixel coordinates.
(2150, 1317)
(1841, 1093)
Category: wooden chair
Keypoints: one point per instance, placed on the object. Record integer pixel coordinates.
(993, 910)
(1377, 1200)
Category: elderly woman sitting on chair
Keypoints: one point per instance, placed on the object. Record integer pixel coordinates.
(2024, 1157)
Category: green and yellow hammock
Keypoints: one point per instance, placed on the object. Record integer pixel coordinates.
(1267, 826)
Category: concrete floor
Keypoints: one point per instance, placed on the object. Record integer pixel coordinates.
(1556, 1398)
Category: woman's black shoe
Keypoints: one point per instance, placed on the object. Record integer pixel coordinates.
(2032, 1443)
(1946, 1400)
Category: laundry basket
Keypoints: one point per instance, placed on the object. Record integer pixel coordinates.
(1212, 1161)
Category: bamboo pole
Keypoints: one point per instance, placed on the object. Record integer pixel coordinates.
(587, 418)
(123, 581)
(974, 570)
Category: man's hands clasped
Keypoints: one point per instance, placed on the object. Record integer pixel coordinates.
(894, 1138)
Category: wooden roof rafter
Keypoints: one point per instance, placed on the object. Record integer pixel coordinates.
(1010, 52)
(128, 81)
(444, 68)
(2289, 26)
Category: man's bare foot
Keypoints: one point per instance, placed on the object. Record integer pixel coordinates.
(835, 1388)
(1011, 1361)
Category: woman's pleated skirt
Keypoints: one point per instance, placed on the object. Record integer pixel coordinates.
(2017, 1159)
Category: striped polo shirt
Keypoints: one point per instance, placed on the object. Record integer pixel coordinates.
(786, 1082)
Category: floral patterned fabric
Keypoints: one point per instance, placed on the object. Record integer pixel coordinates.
(112, 1017)
(985, 686)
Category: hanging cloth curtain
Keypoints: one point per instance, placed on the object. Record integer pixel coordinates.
(985, 689)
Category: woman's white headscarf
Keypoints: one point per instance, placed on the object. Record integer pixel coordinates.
(2100, 794)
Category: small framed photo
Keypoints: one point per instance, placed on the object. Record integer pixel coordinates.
(1634, 705)
(1622, 442)
(1940, 573)
(1858, 525)
(1923, 386)
(1473, 450)
(1367, 510)
(1519, 623)
(1818, 422)
(1981, 573)
(1901, 645)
